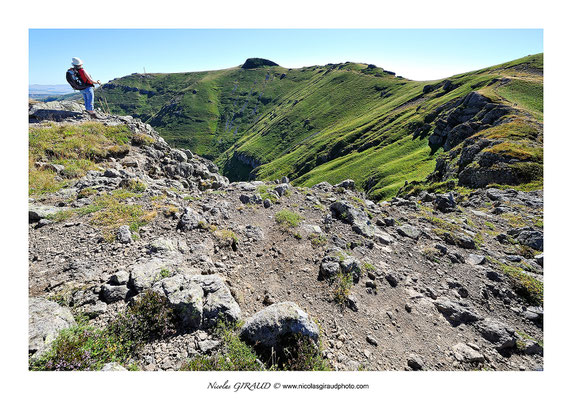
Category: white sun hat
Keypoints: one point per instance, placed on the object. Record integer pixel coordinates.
(76, 61)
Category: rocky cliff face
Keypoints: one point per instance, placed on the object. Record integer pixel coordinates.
(436, 282)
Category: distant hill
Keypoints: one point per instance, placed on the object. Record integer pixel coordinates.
(350, 120)
(39, 92)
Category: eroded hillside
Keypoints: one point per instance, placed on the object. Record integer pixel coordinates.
(139, 251)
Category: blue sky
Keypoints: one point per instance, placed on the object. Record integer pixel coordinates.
(419, 54)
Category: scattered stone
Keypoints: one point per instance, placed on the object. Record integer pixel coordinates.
(476, 259)
(124, 234)
(391, 279)
(464, 353)
(409, 231)
(371, 340)
(189, 220)
(414, 362)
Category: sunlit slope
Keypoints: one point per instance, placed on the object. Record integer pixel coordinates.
(332, 122)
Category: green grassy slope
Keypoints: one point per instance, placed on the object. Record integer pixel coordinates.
(330, 122)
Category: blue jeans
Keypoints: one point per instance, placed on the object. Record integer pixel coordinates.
(87, 94)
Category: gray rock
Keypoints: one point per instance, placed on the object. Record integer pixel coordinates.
(445, 202)
(146, 273)
(251, 199)
(409, 231)
(350, 265)
(124, 234)
(282, 189)
(329, 269)
(539, 259)
(162, 245)
(456, 313)
(189, 220)
(347, 184)
(219, 302)
(45, 320)
(383, 238)
(112, 294)
(391, 279)
(270, 326)
(93, 310)
(185, 296)
(111, 173)
(352, 303)
(531, 347)
(37, 212)
(207, 346)
(371, 340)
(325, 186)
(464, 353)
(494, 276)
(357, 218)
(254, 232)
(501, 335)
(531, 238)
(119, 278)
(414, 362)
(475, 259)
(112, 366)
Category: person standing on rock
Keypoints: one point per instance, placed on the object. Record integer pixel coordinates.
(87, 93)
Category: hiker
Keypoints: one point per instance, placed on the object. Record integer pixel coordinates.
(88, 82)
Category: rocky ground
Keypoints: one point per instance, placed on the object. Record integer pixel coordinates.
(437, 282)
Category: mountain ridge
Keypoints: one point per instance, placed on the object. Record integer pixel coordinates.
(310, 123)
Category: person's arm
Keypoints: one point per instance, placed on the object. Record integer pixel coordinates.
(86, 78)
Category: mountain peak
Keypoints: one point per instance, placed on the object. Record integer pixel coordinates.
(257, 63)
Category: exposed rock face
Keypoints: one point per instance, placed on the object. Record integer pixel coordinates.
(275, 323)
(465, 117)
(46, 319)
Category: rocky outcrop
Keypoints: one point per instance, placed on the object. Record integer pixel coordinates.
(45, 320)
(459, 119)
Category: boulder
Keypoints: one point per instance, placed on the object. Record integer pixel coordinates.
(501, 335)
(112, 294)
(445, 202)
(185, 296)
(219, 302)
(456, 313)
(277, 323)
(347, 184)
(45, 320)
(36, 212)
